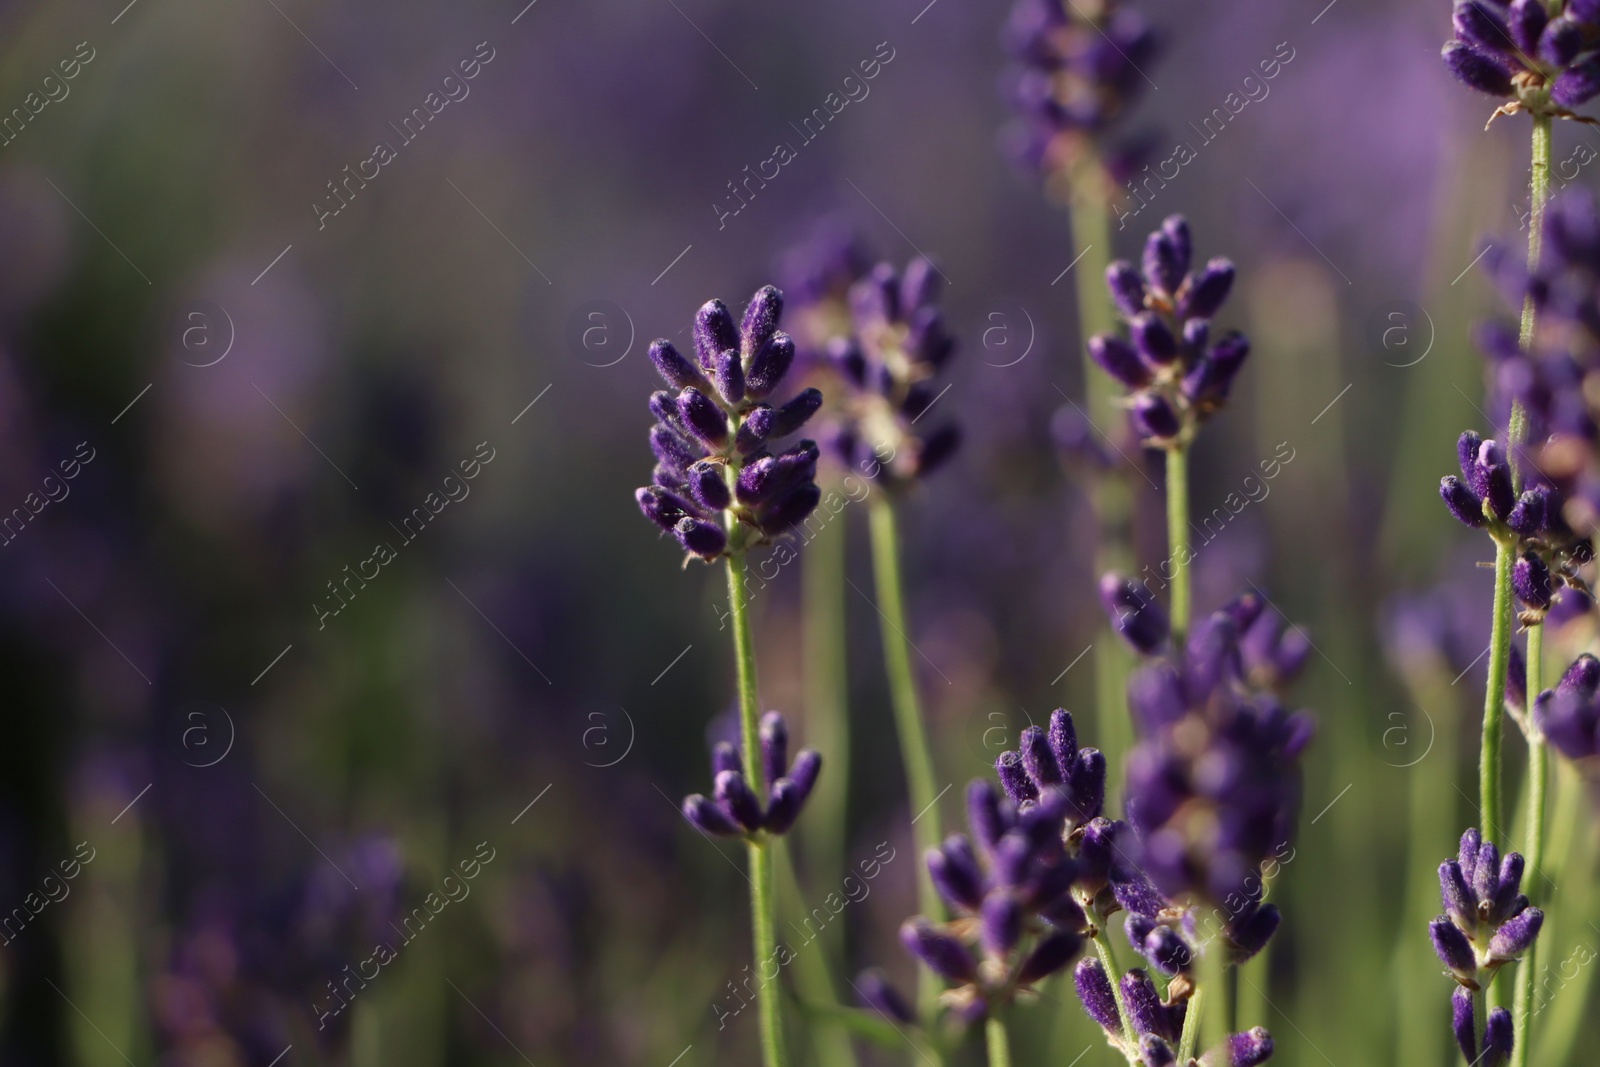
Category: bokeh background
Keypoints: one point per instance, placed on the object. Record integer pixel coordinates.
(267, 391)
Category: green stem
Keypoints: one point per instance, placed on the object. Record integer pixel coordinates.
(763, 907)
(1538, 777)
(915, 751)
(1494, 697)
(1538, 192)
(1109, 962)
(1191, 1026)
(999, 1044)
(1178, 536)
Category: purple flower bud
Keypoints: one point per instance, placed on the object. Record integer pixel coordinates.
(955, 872)
(1176, 227)
(1127, 288)
(760, 323)
(793, 415)
(736, 798)
(1118, 359)
(1527, 23)
(1467, 446)
(1464, 1022)
(1207, 291)
(1012, 855)
(707, 817)
(774, 736)
(1153, 339)
(1582, 678)
(1497, 492)
(1167, 951)
(1479, 25)
(805, 770)
(1577, 85)
(1063, 738)
(1528, 517)
(1250, 934)
(873, 987)
(703, 538)
(661, 507)
(1516, 935)
(1530, 578)
(1162, 266)
(728, 375)
(702, 416)
(1249, 1049)
(1584, 10)
(770, 365)
(1014, 778)
(1135, 613)
(985, 815)
(1038, 760)
(1095, 853)
(1497, 1036)
(708, 487)
(672, 366)
(1561, 41)
(1054, 951)
(1454, 950)
(672, 448)
(1459, 900)
(724, 757)
(784, 801)
(1477, 71)
(1467, 854)
(1145, 1010)
(1153, 418)
(714, 333)
(1154, 1052)
(1486, 873)
(1094, 990)
(1002, 923)
(755, 429)
(789, 510)
(1086, 789)
(939, 951)
(1462, 502)
(769, 477)
(1155, 696)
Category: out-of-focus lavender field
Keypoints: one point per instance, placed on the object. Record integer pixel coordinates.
(328, 620)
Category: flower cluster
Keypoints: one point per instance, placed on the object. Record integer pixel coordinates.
(716, 486)
(734, 808)
(817, 273)
(886, 368)
(1545, 65)
(1489, 923)
(1077, 69)
(1568, 716)
(1177, 376)
(1556, 376)
(1157, 1024)
(1213, 783)
(1549, 554)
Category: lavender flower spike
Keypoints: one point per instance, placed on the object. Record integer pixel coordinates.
(734, 808)
(1544, 65)
(717, 429)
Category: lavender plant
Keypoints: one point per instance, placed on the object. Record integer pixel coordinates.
(886, 369)
(1543, 57)
(720, 491)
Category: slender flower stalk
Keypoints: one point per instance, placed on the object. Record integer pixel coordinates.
(1178, 535)
(1494, 692)
(915, 750)
(999, 1044)
(1190, 1038)
(1538, 778)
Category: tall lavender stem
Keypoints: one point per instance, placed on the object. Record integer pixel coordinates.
(1538, 778)
(1178, 535)
(999, 1044)
(1494, 694)
(1109, 493)
(763, 909)
(915, 751)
